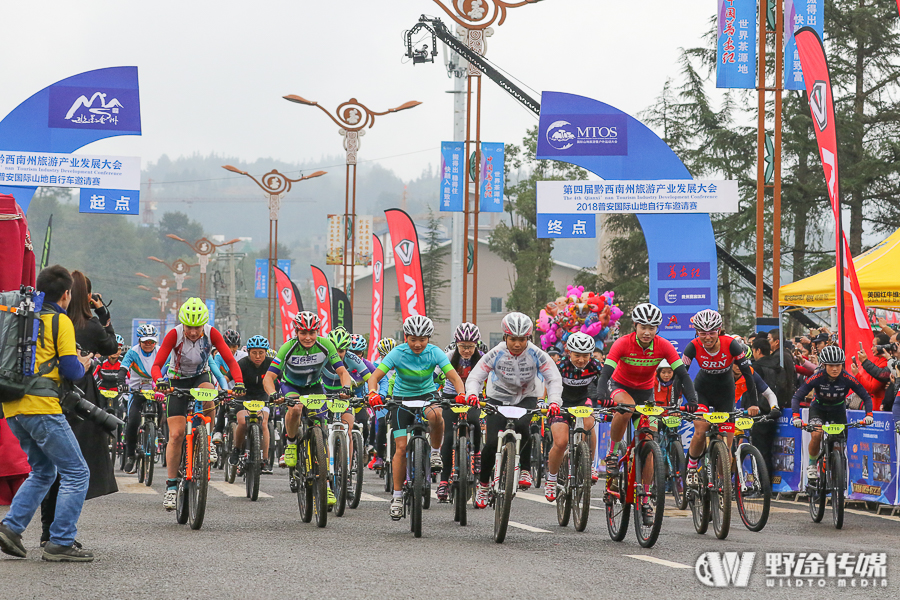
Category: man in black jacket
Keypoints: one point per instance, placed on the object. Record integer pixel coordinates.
(786, 361)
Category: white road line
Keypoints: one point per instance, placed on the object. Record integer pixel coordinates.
(371, 498)
(854, 511)
(528, 527)
(658, 561)
(234, 490)
(533, 498)
(131, 486)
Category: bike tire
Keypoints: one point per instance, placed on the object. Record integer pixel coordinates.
(304, 489)
(419, 460)
(537, 458)
(149, 452)
(837, 479)
(181, 497)
(678, 465)
(817, 495)
(357, 468)
(252, 467)
(503, 500)
(720, 493)
(320, 477)
(564, 498)
(581, 494)
(139, 455)
(463, 465)
(753, 500)
(618, 511)
(230, 469)
(113, 446)
(271, 449)
(388, 470)
(162, 443)
(656, 494)
(199, 484)
(698, 502)
(341, 478)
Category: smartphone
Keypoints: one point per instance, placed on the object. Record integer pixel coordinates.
(861, 349)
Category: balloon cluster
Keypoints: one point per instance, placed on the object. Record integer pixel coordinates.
(581, 311)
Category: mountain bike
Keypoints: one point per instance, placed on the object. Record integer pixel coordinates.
(357, 458)
(231, 469)
(711, 499)
(627, 489)
(338, 453)
(540, 447)
(506, 465)
(574, 481)
(674, 459)
(116, 439)
(311, 474)
(249, 463)
(752, 486)
(462, 475)
(832, 468)
(145, 456)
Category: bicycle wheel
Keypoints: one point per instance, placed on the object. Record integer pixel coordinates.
(419, 461)
(503, 500)
(677, 467)
(161, 442)
(617, 508)
(139, 454)
(388, 470)
(755, 495)
(199, 484)
(654, 494)
(113, 445)
(341, 478)
(271, 449)
(357, 467)
(838, 485)
(817, 494)
(301, 482)
(230, 469)
(320, 476)
(181, 496)
(563, 499)
(537, 458)
(149, 452)
(581, 494)
(461, 496)
(720, 492)
(254, 455)
(698, 501)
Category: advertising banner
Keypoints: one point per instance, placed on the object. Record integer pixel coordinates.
(788, 452)
(289, 304)
(797, 14)
(377, 297)
(323, 299)
(491, 179)
(736, 46)
(341, 312)
(261, 275)
(334, 240)
(109, 202)
(362, 239)
(872, 464)
(49, 169)
(406, 262)
(552, 225)
(582, 134)
(94, 107)
(453, 176)
(211, 306)
(660, 196)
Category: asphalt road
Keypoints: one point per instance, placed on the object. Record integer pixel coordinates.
(262, 549)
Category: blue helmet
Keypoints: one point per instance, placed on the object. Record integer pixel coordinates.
(120, 340)
(257, 341)
(358, 343)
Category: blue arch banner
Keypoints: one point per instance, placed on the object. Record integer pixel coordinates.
(70, 114)
(615, 145)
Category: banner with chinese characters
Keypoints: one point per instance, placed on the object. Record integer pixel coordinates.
(334, 243)
(797, 14)
(491, 178)
(872, 465)
(49, 169)
(453, 176)
(736, 46)
(261, 276)
(109, 202)
(377, 298)
(362, 239)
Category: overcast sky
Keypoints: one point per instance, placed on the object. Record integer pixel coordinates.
(212, 74)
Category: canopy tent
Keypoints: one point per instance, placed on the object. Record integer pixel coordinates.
(879, 280)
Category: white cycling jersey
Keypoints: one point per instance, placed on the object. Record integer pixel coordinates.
(512, 378)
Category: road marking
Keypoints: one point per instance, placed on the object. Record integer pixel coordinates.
(528, 527)
(533, 498)
(658, 561)
(371, 498)
(129, 486)
(232, 490)
(846, 510)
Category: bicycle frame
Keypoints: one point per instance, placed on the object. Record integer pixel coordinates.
(575, 419)
(337, 428)
(643, 431)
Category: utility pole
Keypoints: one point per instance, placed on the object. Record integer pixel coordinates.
(232, 292)
(458, 243)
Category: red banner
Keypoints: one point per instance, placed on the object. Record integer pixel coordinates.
(407, 265)
(323, 299)
(853, 324)
(377, 297)
(289, 303)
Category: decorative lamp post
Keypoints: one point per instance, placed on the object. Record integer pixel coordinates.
(180, 269)
(162, 288)
(203, 248)
(353, 118)
(275, 185)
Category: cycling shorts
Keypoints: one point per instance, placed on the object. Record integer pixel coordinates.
(639, 396)
(715, 390)
(177, 406)
(568, 404)
(401, 417)
(824, 413)
(316, 388)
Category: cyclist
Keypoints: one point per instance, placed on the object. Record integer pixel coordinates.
(578, 370)
(190, 344)
(714, 383)
(628, 377)
(299, 363)
(359, 345)
(414, 362)
(233, 340)
(463, 356)
(107, 372)
(511, 370)
(831, 386)
(253, 369)
(385, 389)
(134, 373)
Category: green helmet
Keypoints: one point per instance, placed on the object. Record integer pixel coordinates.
(193, 313)
(340, 337)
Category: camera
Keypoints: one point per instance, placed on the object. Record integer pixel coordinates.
(73, 402)
(889, 348)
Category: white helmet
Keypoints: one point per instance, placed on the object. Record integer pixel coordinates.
(707, 320)
(418, 325)
(663, 364)
(580, 342)
(517, 324)
(647, 314)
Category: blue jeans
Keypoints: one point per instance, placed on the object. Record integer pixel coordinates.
(51, 447)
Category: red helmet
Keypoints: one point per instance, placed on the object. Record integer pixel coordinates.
(307, 321)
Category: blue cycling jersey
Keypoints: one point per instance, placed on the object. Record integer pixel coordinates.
(830, 393)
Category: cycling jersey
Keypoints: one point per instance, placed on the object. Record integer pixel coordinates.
(830, 393)
(138, 365)
(356, 366)
(302, 367)
(511, 378)
(191, 359)
(635, 366)
(730, 350)
(107, 375)
(414, 371)
(465, 366)
(253, 377)
(575, 381)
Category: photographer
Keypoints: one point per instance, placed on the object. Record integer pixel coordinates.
(875, 374)
(45, 435)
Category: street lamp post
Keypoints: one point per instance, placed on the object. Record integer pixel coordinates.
(353, 118)
(162, 288)
(275, 185)
(180, 269)
(203, 248)
(474, 19)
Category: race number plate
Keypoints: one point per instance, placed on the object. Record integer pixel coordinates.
(338, 406)
(672, 422)
(833, 428)
(580, 411)
(204, 394)
(650, 411)
(716, 417)
(744, 423)
(254, 405)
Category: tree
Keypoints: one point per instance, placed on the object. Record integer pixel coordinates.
(434, 259)
(516, 242)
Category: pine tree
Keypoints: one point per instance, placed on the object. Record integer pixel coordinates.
(434, 258)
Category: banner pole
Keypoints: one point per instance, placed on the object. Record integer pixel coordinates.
(465, 286)
(477, 201)
(776, 158)
(760, 160)
(353, 242)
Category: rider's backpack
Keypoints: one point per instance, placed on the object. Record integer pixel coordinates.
(20, 330)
